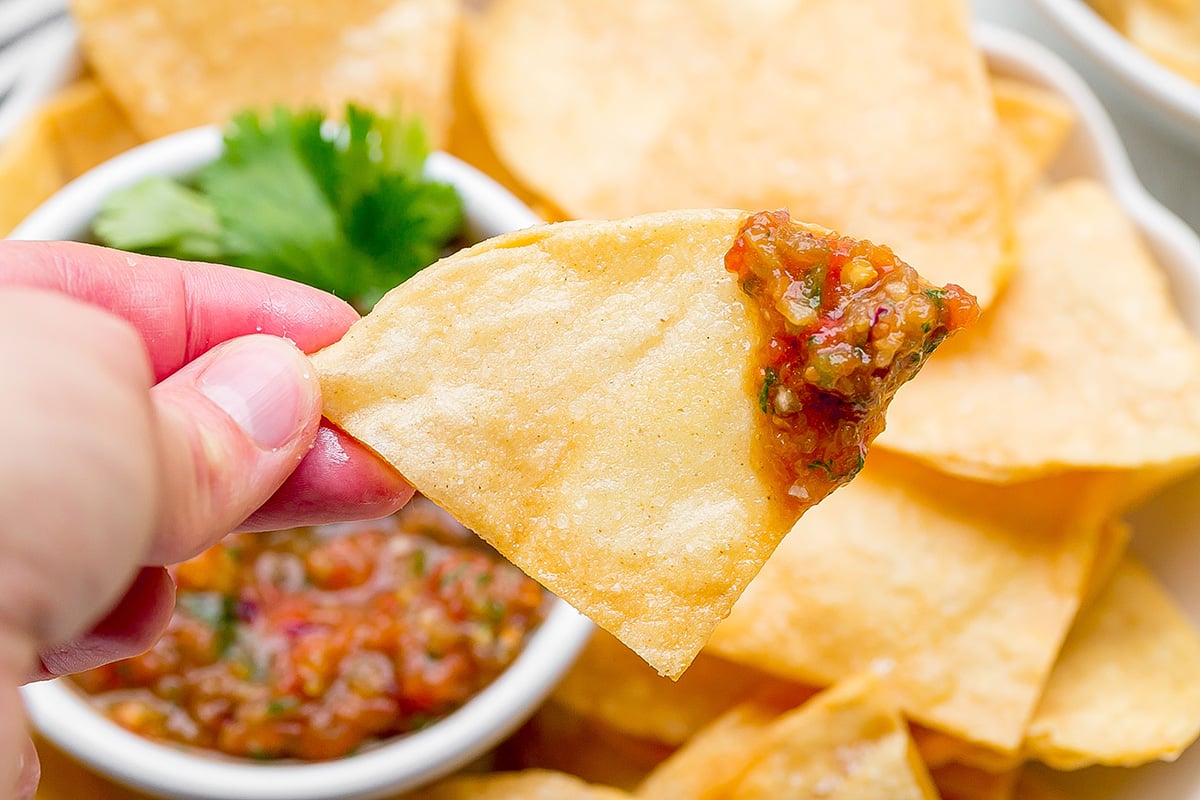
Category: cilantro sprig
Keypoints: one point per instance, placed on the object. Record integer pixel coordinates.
(340, 206)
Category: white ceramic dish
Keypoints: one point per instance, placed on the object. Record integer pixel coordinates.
(64, 717)
(1168, 94)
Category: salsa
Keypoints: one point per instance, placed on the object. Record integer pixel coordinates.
(309, 643)
(847, 322)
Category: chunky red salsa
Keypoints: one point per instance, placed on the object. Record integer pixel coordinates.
(309, 643)
(847, 323)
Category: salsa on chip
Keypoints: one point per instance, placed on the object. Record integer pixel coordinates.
(589, 398)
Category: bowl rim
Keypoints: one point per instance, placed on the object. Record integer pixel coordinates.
(64, 716)
(1171, 240)
(1171, 93)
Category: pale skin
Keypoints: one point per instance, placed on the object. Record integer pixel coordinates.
(149, 408)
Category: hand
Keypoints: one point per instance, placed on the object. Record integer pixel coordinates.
(147, 408)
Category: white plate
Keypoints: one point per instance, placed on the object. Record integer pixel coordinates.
(1157, 88)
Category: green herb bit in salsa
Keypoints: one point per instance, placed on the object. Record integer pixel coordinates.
(312, 642)
(847, 323)
(340, 206)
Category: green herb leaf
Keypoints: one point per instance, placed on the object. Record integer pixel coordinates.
(184, 222)
(764, 394)
(342, 207)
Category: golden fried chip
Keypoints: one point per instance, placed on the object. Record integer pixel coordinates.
(706, 767)
(30, 171)
(939, 749)
(175, 64)
(873, 118)
(959, 782)
(1034, 125)
(1168, 32)
(558, 739)
(848, 743)
(612, 684)
(964, 591)
(1107, 376)
(1125, 688)
(587, 397)
(88, 127)
(533, 784)
(468, 140)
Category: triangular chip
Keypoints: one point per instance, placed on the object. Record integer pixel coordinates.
(1125, 690)
(959, 782)
(611, 684)
(559, 739)
(88, 126)
(30, 171)
(175, 64)
(592, 398)
(1034, 125)
(963, 590)
(848, 743)
(1108, 376)
(534, 784)
(873, 117)
(711, 761)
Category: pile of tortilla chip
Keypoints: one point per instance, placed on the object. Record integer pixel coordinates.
(967, 605)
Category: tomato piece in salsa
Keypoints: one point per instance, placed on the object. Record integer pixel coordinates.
(847, 323)
(312, 642)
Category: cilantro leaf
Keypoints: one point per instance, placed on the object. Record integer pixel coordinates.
(340, 206)
(184, 221)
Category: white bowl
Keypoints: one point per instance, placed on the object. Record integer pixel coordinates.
(1173, 97)
(64, 716)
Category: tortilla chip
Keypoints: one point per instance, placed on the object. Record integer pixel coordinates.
(175, 64)
(706, 767)
(1169, 35)
(1034, 125)
(29, 172)
(1108, 377)
(1031, 787)
(610, 683)
(940, 749)
(958, 782)
(469, 141)
(848, 743)
(88, 127)
(610, 108)
(1124, 691)
(558, 739)
(584, 396)
(532, 784)
(963, 590)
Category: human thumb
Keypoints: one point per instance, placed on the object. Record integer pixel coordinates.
(232, 425)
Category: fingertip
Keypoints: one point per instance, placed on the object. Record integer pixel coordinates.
(233, 425)
(339, 480)
(131, 628)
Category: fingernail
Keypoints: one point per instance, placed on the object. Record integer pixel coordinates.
(257, 382)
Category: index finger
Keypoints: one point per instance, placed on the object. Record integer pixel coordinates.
(180, 308)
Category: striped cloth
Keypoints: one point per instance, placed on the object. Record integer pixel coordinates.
(37, 55)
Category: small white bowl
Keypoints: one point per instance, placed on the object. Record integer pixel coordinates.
(63, 714)
(1173, 97)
